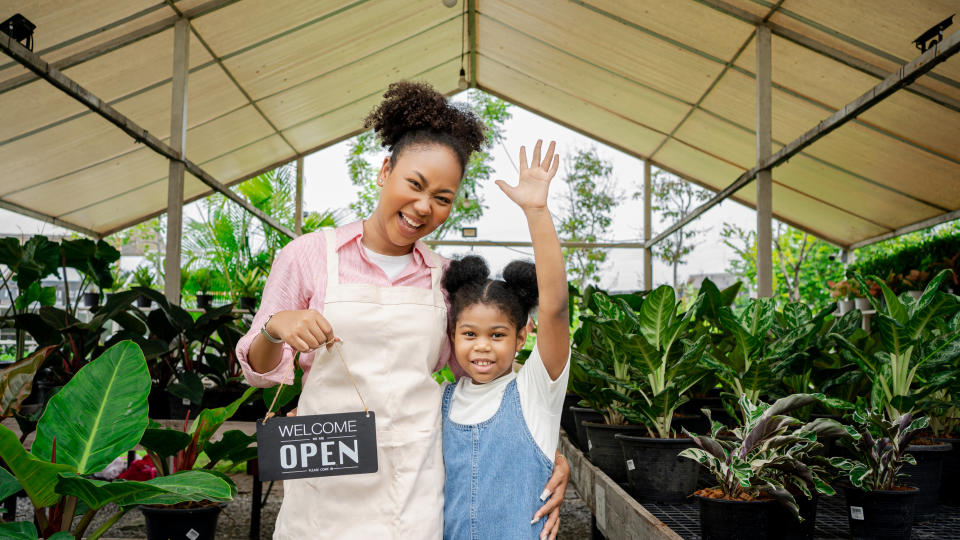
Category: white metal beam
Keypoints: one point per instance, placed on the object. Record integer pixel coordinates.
(830, 52)
(298, 219)
(935, 220)
(22, 210)
(506, 243)
(178, 142)
(118, 42)
(764, 176)
(903, 77)
(647, 224)
(52, 75)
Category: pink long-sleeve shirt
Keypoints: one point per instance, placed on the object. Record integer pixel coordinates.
(298, 280)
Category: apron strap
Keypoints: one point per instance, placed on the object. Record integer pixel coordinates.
(436, 276)
(333, 261)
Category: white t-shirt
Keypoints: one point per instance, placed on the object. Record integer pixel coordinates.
(540, 398)
(391, 265)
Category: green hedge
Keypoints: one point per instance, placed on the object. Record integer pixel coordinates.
(929, 254)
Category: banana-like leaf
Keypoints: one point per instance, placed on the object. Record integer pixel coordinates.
(19, 530)
(656, 313)
(164, 442)
(16, 381)
(100, 414)
(8, 484)
(37, 477)
(173, 489)
(233, 446)
(210, 420)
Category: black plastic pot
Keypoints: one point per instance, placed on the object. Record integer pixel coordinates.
(144, 302)
(177, 407)
(926, 475)
(158, 405)
(788, 527)
(736, 520)
(606, 452)
(204, 301)
(654, 470)
(694, 423)
(248, 302)
(566, 418)
(950, 477)
(581, 415)
(165, 523)
(880, 515)
(91, 299)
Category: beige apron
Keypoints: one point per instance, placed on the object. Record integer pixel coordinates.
(391, 340)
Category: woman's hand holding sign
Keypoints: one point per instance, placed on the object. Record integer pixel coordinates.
(304, 330)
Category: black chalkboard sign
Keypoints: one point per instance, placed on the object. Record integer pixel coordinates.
(318, 445)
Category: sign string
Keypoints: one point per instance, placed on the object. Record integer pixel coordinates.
(296, 360)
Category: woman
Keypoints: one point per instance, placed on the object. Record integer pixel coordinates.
(376, 287)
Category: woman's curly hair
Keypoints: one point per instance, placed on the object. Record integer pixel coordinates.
(467, 282)
(413, 113)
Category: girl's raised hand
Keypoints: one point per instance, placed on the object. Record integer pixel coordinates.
(533, 187)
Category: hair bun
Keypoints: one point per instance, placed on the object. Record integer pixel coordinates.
(521, 277)
(469, 269)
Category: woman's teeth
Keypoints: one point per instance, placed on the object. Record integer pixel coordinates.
(410, 223)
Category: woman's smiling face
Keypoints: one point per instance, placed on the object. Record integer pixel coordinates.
(416, 198)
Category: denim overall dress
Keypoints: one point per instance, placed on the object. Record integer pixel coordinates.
(495, 474)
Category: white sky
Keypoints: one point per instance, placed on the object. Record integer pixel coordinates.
(327, 186)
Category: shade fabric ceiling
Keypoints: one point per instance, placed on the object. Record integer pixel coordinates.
(672, 82)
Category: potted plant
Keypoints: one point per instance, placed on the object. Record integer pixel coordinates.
(769, 460)
(842, 292)
(97, 416)
(918, 347)
(879, 505)
(945, 426)
(669, 364)
(598, 347)
(914, 282)
(143, 278)
(175, 451)
(248, 286)
(203, 281)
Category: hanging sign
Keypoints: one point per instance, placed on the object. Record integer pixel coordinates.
(317, 445)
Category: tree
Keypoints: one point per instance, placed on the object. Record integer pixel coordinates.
(591, 199)
(802, 263)
(673, 199)
(468, 205)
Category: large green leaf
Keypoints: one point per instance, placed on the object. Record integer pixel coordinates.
(18, 530)
(173, 489)
(164, 442)
(233, 446)
(37, 477)
(8, 484)
(16, 381)
(656, 314)
(210, 420)
(100, 414)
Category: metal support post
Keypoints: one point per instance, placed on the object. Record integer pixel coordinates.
(298, 220)
(178, 142)
(764, 176)
(647, 223)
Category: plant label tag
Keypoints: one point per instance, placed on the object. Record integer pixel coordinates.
(856, 512)
(192, 534)
(317, 445)
(630, 465)
(589, 444)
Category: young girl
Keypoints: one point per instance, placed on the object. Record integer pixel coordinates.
(500, 428)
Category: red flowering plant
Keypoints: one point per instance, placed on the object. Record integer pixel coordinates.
(841, 290)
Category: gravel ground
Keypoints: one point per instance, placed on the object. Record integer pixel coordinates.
(234, 522)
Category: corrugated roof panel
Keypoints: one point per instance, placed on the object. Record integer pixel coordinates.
(570, 110)
(603, 41)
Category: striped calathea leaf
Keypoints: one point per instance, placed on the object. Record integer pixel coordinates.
(878, 444)
(770, 453)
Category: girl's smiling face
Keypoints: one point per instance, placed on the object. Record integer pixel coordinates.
(417, 196)
(486, 342)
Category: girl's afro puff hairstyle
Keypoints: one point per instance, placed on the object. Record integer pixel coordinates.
(413, 113)
(467, 282)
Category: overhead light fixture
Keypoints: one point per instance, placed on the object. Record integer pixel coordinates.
(934, 35)
(450, 3)
(21, 30)
(468, 232)
(462, 83)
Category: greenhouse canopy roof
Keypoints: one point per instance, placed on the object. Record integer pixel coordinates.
(672, 82)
